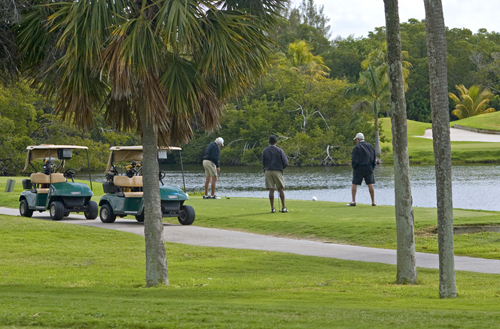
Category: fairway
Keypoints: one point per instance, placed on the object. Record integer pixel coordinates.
(56, 275)
(329, 222)
(420, 150)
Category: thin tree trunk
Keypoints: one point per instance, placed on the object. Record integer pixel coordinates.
(156, 257)
(436, 53)
(378, 151)
(406, 262)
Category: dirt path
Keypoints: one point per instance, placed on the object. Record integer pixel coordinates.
(209, 237)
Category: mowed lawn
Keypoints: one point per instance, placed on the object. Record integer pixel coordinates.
(329, 222)
(56, 275)
(488, 121)
(420, 150)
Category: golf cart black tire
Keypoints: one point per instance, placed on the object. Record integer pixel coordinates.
(107, 215)
(186, 215)
(24, 210)
(56, 210)
(92, 210)
(140, 218)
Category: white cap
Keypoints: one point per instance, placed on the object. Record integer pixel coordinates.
(359, 136)
(220, 140)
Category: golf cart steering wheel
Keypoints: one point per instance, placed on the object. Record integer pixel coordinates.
(70, 173)
(162, 176)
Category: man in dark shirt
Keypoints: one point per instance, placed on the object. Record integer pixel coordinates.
(274, 161)
(211, 164)
(363, 163)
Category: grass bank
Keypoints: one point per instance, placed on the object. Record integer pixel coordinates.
(54, 275)
(488, 121)
(420, 150)
(331, 222)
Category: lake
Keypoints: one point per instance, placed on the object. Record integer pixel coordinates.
(474, 186)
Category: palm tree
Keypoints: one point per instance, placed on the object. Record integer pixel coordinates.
(155, 66)
(373, 88)
(303, 60)
(471, 102)
(406, 260)
(436, 53)
(378, 58)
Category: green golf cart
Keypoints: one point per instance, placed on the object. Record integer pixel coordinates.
(124, 192)
(53, 188)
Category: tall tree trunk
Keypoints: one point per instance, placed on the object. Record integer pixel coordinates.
(156, 257)
(436, 53)
(406, 262)
(378, 151)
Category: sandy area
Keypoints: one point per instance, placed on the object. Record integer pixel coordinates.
(460, 135)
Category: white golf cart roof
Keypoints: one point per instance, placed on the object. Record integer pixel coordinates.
(55, 147)
(42, 151)
(130, 153)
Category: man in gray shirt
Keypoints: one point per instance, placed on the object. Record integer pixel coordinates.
(274, 161)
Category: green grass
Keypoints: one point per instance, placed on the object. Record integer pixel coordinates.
(329, 222)
(420, 150)
(488, 121)
(56, 275)
(334, 222)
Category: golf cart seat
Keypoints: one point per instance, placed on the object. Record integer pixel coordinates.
(124, 181)
(57, 178)
(41, 178)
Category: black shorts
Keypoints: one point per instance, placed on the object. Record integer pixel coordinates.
(359, 175)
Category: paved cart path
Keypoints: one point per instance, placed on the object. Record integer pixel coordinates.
(460, 135)
(210, 237)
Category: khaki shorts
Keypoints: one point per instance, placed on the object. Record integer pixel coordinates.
(274, 178)
(210, 168)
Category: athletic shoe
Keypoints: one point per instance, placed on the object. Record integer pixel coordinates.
(206, 197)
(214, 197)
(351, 204)
(284, 210)
(374, 204)
(273, 210)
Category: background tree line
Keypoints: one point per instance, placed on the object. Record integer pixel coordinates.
(301, 99)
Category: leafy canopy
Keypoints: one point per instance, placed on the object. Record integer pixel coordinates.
(177, 60)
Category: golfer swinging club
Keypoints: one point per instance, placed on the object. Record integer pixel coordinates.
(274, 161)
(363, 162)
(211, 164)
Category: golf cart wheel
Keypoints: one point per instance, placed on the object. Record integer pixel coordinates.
(24, 210)
(186, 215)
(56, 210)
(140, 218)
(92, 210)
(107, 215)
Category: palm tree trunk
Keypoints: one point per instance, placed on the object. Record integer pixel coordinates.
(378, 151)
(406, 262)
(436, 53)
(156, 257)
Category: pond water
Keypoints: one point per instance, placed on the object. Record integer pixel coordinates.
(474, 186)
